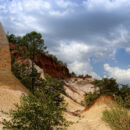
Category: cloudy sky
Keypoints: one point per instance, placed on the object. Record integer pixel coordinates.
(91, 36)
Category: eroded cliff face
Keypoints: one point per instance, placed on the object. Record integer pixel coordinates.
(10, 87)
(5, 59)
(52, 68)
(8, 82)
(49, 66)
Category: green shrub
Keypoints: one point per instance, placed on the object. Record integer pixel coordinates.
(123, 97)
(38, 111)
(90, 98)
(73, 74)
(24, 74)
(107, 86)
(117, 119)
(123, 102)
(54, 84)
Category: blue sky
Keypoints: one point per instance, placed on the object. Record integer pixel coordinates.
(91, 36)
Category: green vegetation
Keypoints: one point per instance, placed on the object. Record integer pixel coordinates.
(89, 98)
(43, 108)
(55, 84)
(24, 73)
(38, 111)
(73, 74)
(28, 47)
(117, 118)
(35, 46)
(109, 86)
(104, 86)
(123, 96)
(84, 76)
(34, 43)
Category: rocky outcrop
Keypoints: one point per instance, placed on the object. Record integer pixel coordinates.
(76, 88)
(55, 69)
(10, 87)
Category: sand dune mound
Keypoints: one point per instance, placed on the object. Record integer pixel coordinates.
(90, 118)
(101, 101)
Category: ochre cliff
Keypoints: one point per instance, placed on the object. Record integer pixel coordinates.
(49, 66)
(10, 87)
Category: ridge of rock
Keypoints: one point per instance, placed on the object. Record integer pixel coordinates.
(10, 87)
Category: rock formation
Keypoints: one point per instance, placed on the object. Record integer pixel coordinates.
(52, 68)
(76, 88)
(6, 76)
(10, 88)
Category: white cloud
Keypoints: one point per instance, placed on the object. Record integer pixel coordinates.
(120, 35)
(108, 5)
(65, 3)
(76, 54)
(59, 13)
(121, 75)
(128, 49)
(33, 5)
(71, 51)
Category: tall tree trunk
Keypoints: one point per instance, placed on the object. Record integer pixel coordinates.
(33, 78)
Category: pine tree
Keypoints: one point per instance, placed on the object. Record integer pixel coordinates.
(35, 46)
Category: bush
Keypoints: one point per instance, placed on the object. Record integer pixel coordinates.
(54, 84)
(37, 112)
(90, 98)
(123, 97)
(117, 119)
(41, 110)
(107, 86)
(24, 74)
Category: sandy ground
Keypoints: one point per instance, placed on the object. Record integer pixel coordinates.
(90, 119)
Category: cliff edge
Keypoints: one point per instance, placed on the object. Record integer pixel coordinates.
(10, 87)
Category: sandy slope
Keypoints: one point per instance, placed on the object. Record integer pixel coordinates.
(86, 118)
(10, 87)
(90, 119)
